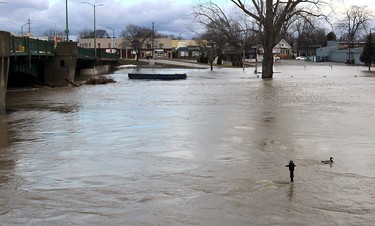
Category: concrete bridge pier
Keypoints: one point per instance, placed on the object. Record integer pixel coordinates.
(4, 67)
(63, 65)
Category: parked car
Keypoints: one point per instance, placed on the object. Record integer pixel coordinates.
(300, 58)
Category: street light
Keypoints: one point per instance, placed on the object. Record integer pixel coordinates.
(66, 20)
(94, 6)
(28, 23)
(113, 36)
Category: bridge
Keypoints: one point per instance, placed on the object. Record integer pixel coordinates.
(24, 60)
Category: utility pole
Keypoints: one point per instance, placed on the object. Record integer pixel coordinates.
(152, 40)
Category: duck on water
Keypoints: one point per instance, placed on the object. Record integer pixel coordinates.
(328, 161)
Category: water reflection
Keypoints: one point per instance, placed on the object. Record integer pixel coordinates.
(291, 190)
(8, 161)
(4, 137)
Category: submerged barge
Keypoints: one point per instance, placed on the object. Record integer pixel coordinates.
(157, 76)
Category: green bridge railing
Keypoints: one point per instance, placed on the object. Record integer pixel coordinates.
(23, 45)
(84, 53)
(100, 53)
(30, 45)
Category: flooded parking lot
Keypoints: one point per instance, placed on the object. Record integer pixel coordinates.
(208, 150)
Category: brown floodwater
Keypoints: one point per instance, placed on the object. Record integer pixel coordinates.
(208, 150)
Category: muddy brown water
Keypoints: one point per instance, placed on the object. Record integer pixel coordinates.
(208, 150)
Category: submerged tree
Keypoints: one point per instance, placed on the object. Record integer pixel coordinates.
(211, 46)
(136, 37)
(224, 30)
(273, 16)
(368, 53)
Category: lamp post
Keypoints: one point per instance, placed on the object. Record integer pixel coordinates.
(94, 6)
(66, 20)
(28, 23)
(22, 29)
(113, 36)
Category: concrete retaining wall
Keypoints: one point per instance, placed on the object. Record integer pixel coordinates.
(63, 65)
(4, 67)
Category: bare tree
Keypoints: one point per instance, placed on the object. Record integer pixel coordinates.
(356, 21)
(309, 35)
(87, 33)
(272, 16)
(136, 37)
(52, 32)
(230, 32)
(213, 17)
(211, 45)
(100, 33)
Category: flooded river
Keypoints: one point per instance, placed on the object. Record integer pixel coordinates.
(208, 150)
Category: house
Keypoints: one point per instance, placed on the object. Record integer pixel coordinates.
(282, 49)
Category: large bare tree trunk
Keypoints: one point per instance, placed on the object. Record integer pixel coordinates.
(272, 15)
(267, 64)
(268, 40)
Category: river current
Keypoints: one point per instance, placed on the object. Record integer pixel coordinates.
(208, 150)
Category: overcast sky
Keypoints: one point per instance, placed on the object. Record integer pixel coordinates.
(169, 16)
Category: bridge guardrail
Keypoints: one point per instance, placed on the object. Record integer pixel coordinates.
(108, 53)
(21, 45)
(85, 53)
(30, 45)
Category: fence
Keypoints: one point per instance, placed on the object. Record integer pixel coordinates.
(30, 45)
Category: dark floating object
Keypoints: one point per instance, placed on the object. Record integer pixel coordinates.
(100, 80)
(328, 161)
(157, 76)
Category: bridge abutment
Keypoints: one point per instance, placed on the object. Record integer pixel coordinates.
(63, 65)
(4, 67)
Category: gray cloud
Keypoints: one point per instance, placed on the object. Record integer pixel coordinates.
(169, 16)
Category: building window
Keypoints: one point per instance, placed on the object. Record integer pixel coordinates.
(161, 45)
(89, 45)
(148, 46)
(109, 45)
(98, 45)
(62, 63)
